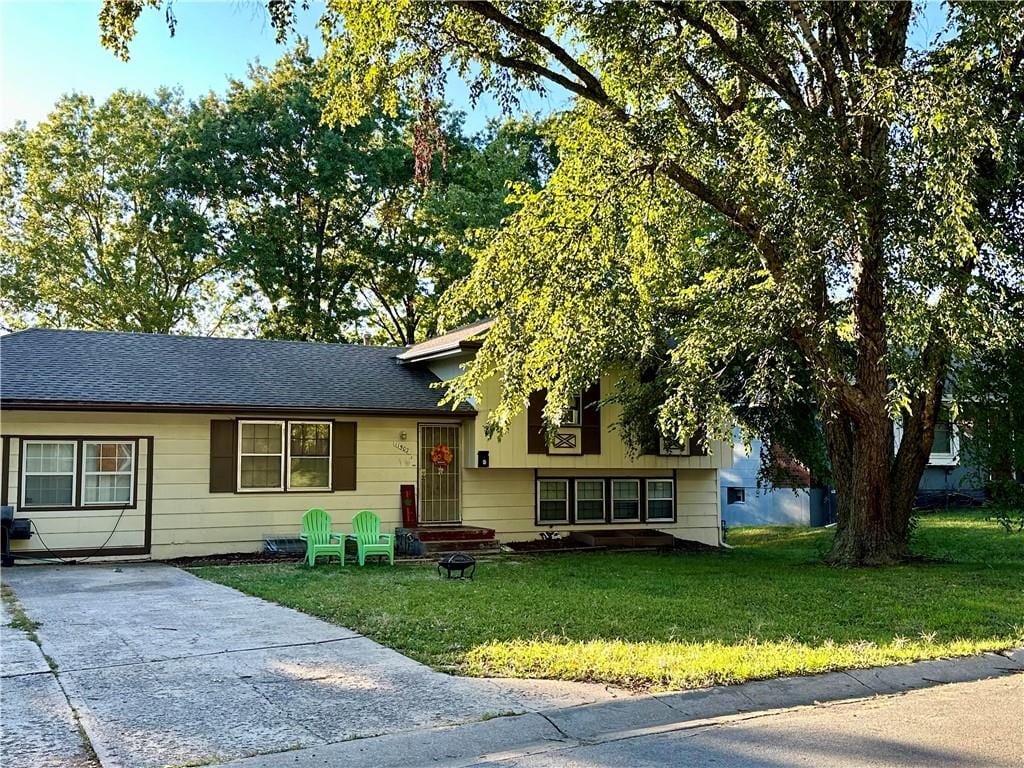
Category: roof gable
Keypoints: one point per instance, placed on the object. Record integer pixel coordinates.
(467, 338)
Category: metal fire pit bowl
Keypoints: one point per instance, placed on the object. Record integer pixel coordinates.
(457, 563)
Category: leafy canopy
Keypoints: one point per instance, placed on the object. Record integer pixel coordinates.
(105, 218)
(731, 177)
(332, 226)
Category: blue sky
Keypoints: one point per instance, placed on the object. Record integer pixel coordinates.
(48, 48)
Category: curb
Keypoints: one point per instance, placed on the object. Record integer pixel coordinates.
(508, 737)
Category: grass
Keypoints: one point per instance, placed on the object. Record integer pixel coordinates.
(769, 607)
(19, 619)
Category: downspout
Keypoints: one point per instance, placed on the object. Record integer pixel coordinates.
(718, 495)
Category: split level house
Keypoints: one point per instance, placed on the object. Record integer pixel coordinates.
(144, 445)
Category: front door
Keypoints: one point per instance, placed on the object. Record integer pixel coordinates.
(440, 474)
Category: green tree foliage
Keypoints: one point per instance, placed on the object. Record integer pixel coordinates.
(104, 220)
(786, 189)
(990, 416)
(331, 224)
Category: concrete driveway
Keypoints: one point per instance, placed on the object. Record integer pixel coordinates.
(164, 668)
(158, 668)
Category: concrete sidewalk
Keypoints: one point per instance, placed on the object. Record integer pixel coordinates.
(580, 735)
(39, 728)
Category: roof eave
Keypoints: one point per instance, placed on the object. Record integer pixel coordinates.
(89, 405)
(461, 348)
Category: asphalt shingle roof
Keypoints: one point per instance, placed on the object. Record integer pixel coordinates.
(459, 338)
(51, 367)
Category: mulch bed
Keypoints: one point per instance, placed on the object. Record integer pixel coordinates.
(550, 545)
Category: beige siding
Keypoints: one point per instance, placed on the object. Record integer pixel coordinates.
(503, 499)
(188, 520)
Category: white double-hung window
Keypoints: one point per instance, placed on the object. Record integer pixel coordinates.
(284, 455)
(48, 473)
(660, 500)
(552, 500)
(309, 455)
(625, 500)
(108, 472)
(261, 455)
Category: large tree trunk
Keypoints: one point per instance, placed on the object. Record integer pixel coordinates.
(875, 485)
(873, 520)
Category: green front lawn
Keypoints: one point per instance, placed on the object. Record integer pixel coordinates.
(767, 608)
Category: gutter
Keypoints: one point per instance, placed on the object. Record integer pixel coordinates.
(89, 405)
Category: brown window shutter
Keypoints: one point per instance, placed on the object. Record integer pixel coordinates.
(697, 447)
(223, 464)
(536, 434)
(343, 456)
(590, 429)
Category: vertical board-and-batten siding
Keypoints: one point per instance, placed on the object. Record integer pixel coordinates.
(511, 450)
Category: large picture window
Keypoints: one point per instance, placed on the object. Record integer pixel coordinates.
(48, 473)
(108, 472)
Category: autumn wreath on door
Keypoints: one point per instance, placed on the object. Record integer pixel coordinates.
(441, 457)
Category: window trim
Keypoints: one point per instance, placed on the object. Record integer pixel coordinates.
(735, 490)
(287, 478)
(577, 407)
(239, 455)
(639, 500)
(949, 458)
(568, 501)
(78, 440)
(576, 500)
(131, 473)
(74, 473)
(935, 459)
(286, 456)
(671, 499)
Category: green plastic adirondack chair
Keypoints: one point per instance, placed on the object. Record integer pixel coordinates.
(320, 539)
(369, 539)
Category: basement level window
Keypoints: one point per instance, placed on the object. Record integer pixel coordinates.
(735, 495)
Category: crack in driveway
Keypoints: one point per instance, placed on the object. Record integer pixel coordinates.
(205, 654)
